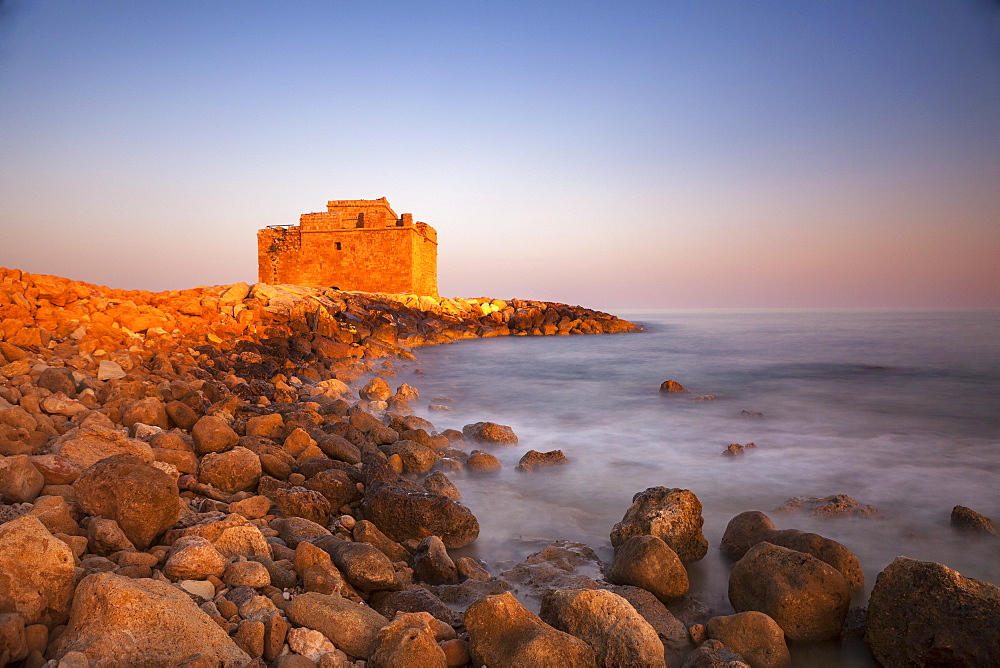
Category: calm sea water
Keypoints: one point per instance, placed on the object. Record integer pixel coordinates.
(900, 410)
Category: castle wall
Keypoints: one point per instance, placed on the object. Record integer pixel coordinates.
(329, 249)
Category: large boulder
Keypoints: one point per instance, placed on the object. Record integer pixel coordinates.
(807, 597)
(648, 562)
(502, 632)
(431, 563)
(141, 498)
(416, 458)
(405, 512)
(752, 527)
(969, 520)
(194, 558)
(925, 614)
(607, 622)
(490, 432)
(95, 439)
(671, 514)
(351, 627)
(36, 572)
(754, 636)
(117, 620)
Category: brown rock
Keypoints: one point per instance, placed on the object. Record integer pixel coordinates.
(266, 426)
(182, 415)
(105, 537)
(57, 379)
(404, 513)
(251, 508)
(807, 597)
(232, 536)
(20, 481)
(439, 483)
(249, 637)
(648, 562)
(339, 448)
(351, 627)
(54, 513)
(366, 532)
(482, 462)
(294, 530)
(147, 411)
(563, 564)
(362, 565)
(713, 654)
(236, 470)
(94, 440)
(336, 486)
(431, 563)
(925, 614)
(212, 434)
(838, 505)
(754, 636)
(376, 390)
(671, 386)
(302, 502)
(617, 633)
(749, 528)
(247, 574)
(502, 632)
(194, 558)
(416, 458)
(671, 514)
(142, 499)
(36, 572)
(408, 640)
(56, 470)
(968, 519)
(133, 622)
(533, 460)
(490, 432)
(670, 630)
(13, 643)
(414, 599)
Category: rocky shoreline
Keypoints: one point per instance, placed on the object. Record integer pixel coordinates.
(225, 476)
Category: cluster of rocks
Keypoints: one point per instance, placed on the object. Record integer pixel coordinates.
(223, 476)
(202, 477)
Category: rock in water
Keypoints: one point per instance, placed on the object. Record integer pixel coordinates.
(533, 460)
(490, 432)
(754, 636)
(807, 597)
(402, 512)
(672, 386)
(142, 499)
(968, 519)
(118, 620)
(752, 527)
(36, 572)
(671, 514)
(607, 622)
(649, 563)
(502, 632)
(925, 614)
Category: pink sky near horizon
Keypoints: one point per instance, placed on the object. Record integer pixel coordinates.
(640, 156)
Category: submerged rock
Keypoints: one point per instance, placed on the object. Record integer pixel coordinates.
(671, 514)
(838, 505)
(807, 597)
(925, 614)
(672, 386)
(968, 519)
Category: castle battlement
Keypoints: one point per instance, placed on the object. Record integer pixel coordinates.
(357, 244)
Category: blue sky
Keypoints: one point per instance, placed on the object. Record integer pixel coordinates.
(667, 154)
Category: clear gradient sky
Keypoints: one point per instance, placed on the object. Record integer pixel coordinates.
(610, 154)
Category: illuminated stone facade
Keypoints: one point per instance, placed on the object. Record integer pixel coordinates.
(357, 244)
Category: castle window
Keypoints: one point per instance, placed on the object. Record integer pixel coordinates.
(337, 246)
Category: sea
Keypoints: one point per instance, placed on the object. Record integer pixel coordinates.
(898, 409)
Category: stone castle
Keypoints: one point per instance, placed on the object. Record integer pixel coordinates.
(356, 244)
